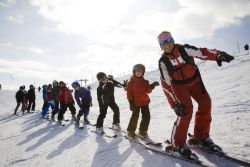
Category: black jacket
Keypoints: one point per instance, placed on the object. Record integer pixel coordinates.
(105, 93)
(19, 96)
(31, 94)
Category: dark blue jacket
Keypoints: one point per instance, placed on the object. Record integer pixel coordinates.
(83, 97)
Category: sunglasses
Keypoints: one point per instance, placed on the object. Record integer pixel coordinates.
(169, 40)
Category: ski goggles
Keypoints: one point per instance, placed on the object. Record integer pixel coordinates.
(168, 40)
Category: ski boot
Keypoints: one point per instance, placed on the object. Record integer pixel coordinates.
(131, 134)
(86, 121)
(143, 135)
(116, 126)
(182, 150)
(206, 143)
(100, 130)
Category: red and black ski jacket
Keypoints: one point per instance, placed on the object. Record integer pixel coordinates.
(179, 67)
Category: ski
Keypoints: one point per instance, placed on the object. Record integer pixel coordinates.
(104, 134)
(161, 150)
(146, 141)
(149, 141)
(216, 152)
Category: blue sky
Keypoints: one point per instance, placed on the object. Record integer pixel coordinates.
(44, 40)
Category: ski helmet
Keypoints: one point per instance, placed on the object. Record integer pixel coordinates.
(44, 86)
(55, 83)
(100, 75)
(139, 67)
(75, 84)
(31, 86)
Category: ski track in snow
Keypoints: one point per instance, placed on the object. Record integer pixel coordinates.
(27, 141)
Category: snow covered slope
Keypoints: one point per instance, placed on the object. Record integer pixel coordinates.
(27, 141)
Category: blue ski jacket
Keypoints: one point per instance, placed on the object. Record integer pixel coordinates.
(83, 97)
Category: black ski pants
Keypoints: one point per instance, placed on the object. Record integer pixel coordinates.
(63, 109)
(32, 103)
(84, 110)
(103, 112)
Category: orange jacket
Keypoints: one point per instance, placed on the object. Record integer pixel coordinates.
(65, 96)
(137, 90)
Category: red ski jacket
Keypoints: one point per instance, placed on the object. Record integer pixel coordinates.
(182, 72)
(137, 90)
(65, 96)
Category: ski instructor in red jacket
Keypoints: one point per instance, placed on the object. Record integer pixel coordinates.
(181, 81)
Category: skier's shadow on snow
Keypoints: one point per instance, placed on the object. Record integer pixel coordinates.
(32, 122)
(52, 132)
(114, 158)
(8, 118)
(68, 143)
(11, 117)
(151, 158)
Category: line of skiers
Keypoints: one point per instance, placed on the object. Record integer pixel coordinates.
(26, 99)
(180, 79)
(59, 98)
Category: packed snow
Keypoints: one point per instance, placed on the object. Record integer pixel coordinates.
(27, 141)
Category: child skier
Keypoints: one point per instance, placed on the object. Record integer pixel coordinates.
(84, 101)
(45, 101)
(105, 97)
(25, 100)
(66, 101)
(137, 93)
(32, 98)
(48, 102)
(55, 98)
(181, 81)
(19, 98)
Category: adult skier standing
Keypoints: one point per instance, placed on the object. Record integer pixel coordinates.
(181, 81)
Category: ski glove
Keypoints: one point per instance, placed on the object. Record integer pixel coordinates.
(154, 84)
(223, 56)
(131, 105)
(179, 109)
